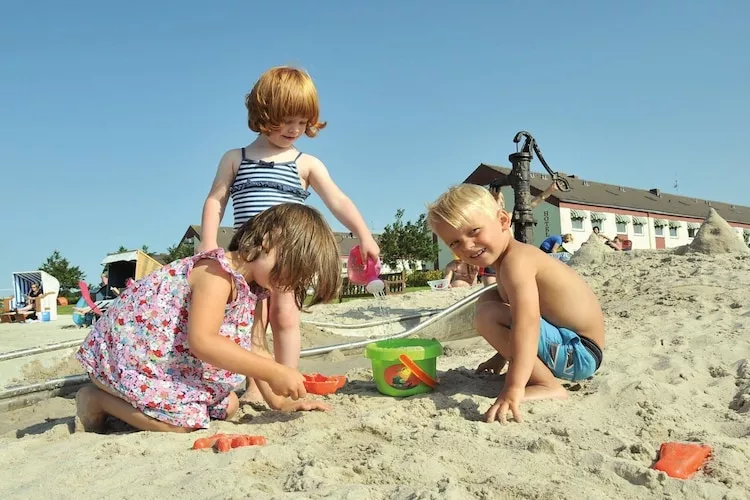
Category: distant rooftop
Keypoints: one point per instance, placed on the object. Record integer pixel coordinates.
(586, 192)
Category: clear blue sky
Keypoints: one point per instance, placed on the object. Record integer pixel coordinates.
(113, 115)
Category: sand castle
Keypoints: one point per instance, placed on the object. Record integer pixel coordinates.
(715, 236)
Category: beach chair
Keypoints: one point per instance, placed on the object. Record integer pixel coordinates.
(46, 303)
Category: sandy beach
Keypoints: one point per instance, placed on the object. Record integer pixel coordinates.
(675, 369)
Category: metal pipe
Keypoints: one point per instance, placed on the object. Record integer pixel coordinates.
(47, 385)
(38, 350)
(343, 326)
(314, 351)
(355, 326)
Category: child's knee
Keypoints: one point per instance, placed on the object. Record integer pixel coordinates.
(486, 319)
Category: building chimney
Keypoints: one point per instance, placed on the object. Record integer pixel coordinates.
(655, 191)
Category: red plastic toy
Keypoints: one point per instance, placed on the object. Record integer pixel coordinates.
(225, 442)
(315, 383)
(682, 460)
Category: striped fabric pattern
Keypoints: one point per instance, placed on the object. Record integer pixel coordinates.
(622, 219)
(577, 214)
(260, 185)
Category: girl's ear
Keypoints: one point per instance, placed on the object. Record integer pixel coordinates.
(266, 245)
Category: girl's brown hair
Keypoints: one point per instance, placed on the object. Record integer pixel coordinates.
(279, 94)
(306, 251)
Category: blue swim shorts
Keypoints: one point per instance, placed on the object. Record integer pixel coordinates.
(568, 355)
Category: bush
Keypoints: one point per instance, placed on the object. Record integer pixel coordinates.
(420, 278)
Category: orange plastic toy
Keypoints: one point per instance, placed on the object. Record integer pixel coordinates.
(315, 383)
(681, 460)
(417, 371)
(225, 442)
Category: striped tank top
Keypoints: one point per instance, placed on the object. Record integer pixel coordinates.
(260, 185)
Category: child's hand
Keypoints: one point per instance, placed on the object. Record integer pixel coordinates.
(509, 399)
(288, 383)
(369, 249)
(493, 365)
(307, 405)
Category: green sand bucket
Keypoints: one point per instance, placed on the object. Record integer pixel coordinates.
(392, 377)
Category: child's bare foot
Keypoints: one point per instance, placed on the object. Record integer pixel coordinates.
(542, 391)
(89, 415)
(253, 397)
(495, 365)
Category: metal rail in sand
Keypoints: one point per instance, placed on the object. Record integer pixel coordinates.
(32, 351)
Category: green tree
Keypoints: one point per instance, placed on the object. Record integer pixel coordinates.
(179, 251)
(59, 267)
(120, 250)
(407, 242)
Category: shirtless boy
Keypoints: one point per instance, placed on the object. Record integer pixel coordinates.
(543, 317)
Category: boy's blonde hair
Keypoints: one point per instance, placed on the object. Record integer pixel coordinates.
(281, 93)
(455, 206)
(307, 254)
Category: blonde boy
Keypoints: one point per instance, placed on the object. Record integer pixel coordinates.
(543, 317)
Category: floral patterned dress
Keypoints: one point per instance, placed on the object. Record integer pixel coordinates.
(139, 347)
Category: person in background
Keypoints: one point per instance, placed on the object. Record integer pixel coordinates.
(615, 243)
(460, 274)
(554, 243)
(30, 307)
(106, 291)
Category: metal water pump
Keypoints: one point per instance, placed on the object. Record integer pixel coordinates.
(518, 179)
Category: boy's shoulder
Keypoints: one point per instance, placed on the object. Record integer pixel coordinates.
(519, 260)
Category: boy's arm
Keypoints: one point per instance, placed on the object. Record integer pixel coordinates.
(519, 280)
(517, 275)
(216, 202)
(341, 206)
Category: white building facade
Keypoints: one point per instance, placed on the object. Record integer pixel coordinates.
(643, 229)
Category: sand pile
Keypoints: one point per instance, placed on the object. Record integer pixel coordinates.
(675, 369)
(592, 251)
(715, 236)
(37, 371)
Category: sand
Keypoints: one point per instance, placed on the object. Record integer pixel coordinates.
(675, 369)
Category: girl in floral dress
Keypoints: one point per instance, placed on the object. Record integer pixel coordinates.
(167, 353)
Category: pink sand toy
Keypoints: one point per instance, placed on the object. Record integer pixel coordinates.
(367, 275)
